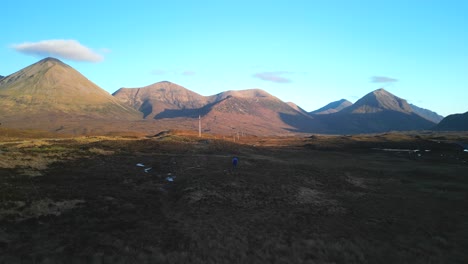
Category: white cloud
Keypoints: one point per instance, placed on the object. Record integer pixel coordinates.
(59, 48)
(173, 72)
(383, 79)
(188, 73)
(158, 72)
(273, 76)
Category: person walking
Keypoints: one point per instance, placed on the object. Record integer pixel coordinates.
(235, 162)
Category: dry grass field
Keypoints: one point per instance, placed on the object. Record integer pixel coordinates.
(174, 198)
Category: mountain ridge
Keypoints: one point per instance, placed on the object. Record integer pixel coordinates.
(297, 108)
(155, 98)
(250, 109)
(427, 114)
(332, 107)
(455, 122)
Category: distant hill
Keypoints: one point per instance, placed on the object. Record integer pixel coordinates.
(378, 101)
(256, 110)
(50, 92)
(251, 111)
(378, 111)
(427, 114)
(154, 99)
(332, 107)
(456, 122)
(1, 77)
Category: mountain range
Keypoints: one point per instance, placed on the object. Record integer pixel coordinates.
(53, 96)
(252, 111)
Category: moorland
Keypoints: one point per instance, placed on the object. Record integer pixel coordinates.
(175, 198)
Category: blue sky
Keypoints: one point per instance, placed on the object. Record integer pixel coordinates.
(308, 52)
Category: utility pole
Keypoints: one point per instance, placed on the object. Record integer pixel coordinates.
(199, 126)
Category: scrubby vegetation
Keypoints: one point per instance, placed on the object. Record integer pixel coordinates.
(318, 199)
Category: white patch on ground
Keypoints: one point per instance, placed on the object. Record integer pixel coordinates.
(356, 181)
(310, 196)
(196, 196)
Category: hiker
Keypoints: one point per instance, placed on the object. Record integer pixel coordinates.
(235, 161)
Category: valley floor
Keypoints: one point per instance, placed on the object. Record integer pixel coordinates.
(174, 198)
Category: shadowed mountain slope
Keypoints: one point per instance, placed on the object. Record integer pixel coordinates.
(332, 107)
(456, 122)
(427, 114)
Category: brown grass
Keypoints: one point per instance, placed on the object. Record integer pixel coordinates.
(321, 199)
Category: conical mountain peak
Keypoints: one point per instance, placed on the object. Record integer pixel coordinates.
(49, 75)
(49, 62)
(380, 100)
(50, 85)
(382, 90)
(50, 59)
